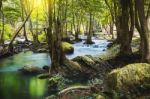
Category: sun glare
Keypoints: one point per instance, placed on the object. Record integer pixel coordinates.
(38, 3)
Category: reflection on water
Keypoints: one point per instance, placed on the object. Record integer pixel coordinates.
(14, 85)
(17, 61)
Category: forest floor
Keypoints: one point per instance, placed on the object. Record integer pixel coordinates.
(86, 77)
(94, 84)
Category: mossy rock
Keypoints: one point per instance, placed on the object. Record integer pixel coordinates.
(84, 60)
(129, 78)
(72, 65)
(92, 66)
(29, 69)
(67, 48)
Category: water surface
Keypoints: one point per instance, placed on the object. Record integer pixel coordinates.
(14, 85)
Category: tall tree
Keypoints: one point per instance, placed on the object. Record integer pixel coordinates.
(23, 18)
(54, 36)
(142, 27)
(126, 33)
(3, 23)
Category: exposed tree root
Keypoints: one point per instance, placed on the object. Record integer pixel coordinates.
(79, 91)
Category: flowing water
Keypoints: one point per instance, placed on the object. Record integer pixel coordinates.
(14, 85)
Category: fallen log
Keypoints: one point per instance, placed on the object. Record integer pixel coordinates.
(10, 48)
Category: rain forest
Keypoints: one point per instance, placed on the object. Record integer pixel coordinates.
(74, 49)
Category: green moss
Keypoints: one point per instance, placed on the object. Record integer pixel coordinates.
(110, 53)
(85, 60)
(72, 65)
(67, 48)
(129, 78)
(59, 81)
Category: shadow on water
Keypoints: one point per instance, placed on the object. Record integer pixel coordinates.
(14, 85)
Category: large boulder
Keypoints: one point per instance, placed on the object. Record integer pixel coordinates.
(92, 66)
(29, 69)
(134, 78)
(67, 48)
(92, 62)
(84, 60)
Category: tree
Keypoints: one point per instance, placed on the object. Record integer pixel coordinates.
(54, 39)
(142, 27)
(126, 31)
(22, 16)
(3, 24)
(10, 47)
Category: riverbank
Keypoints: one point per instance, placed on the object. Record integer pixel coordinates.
(10, 65)
(83, 74)
(97, 87)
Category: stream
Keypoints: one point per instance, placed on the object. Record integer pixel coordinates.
(14, 85)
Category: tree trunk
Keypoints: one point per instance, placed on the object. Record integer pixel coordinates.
(54, 39)
(3, 24)
(1, 4)
(24, 27)
(125, 48)
(36, 32)
(58, 55)
(3, 28)
(132, 19)
(66, 26)
(117, 18)
(145, 33)
(17, 32)
(90, 33)
(112, 17)
(111, 26)
(77, 31)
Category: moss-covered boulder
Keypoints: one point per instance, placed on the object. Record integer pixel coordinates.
(131, 78)
(84, 60)
(67, 48)
(92, 66)
(72, 65)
